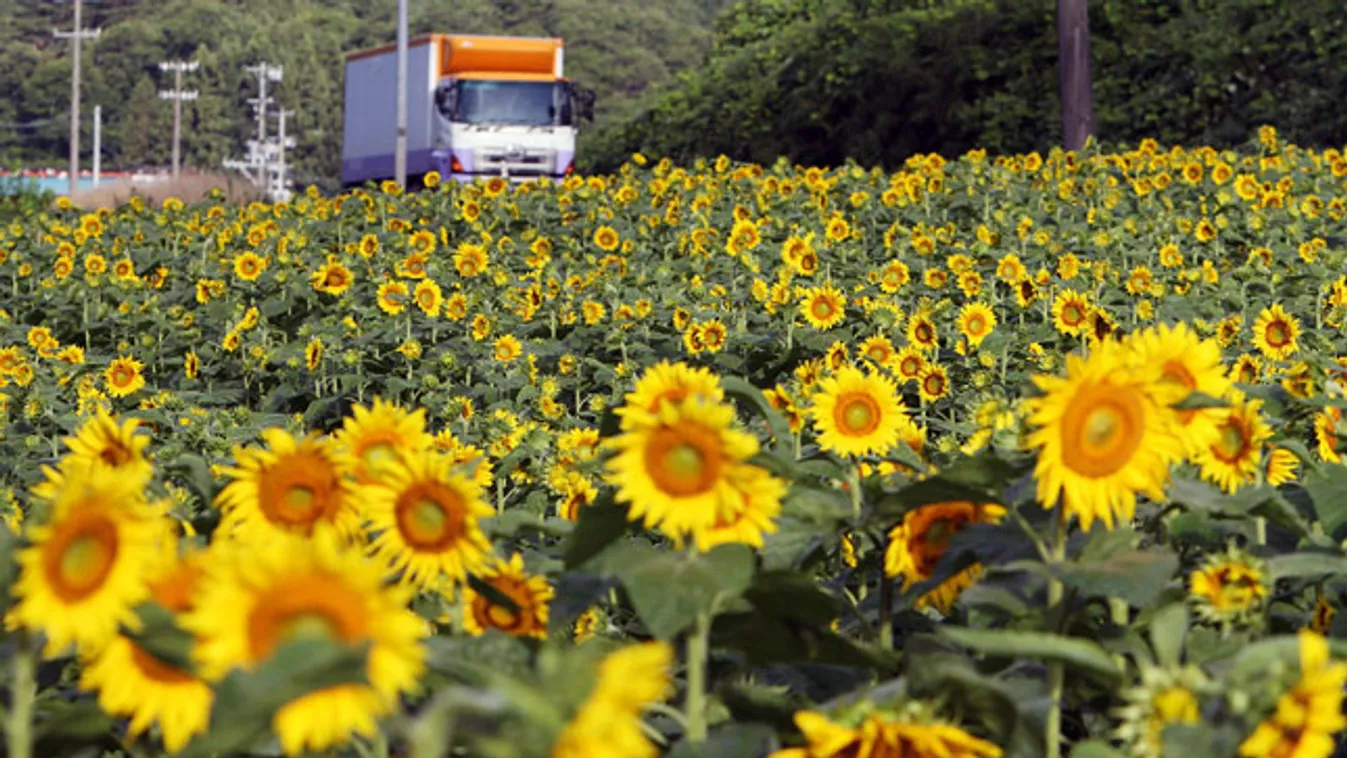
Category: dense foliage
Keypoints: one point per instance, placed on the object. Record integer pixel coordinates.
(989, 456)
(879, 80)
(617, 47)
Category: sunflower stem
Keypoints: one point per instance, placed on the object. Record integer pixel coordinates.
(698, 651)
(19, 730)
(854, 489)
(885, 610)
(1056, 670)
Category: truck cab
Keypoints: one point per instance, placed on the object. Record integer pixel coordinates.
(477, 107)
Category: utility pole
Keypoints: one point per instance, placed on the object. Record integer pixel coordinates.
(98, 142)
(75, 36)
(282, 189)
(266, 157)
(178, 95)
(400, 149)
(1073, 52)
(264, 73)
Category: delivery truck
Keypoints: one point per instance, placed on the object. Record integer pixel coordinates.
(477, 106)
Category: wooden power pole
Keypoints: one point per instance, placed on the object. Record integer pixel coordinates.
(1073, 50)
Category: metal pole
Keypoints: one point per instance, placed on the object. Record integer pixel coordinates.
(75, 102)
(280, 151)
(400, 149)
(262, 127)
(1073, 51)
(98, 142)
(177, 119)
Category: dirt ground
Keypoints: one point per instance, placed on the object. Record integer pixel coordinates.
(189, 188)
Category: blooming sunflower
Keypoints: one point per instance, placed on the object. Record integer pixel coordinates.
(392, 297)
(673, 466)
(249, 265)
(909, 364)
(424, 519)
(507, 348)
(1280, 466)
(531, 593)
(1101, 437)
(1186, 363)
(823, 307)
(1326, 433)
(1309, 714)
(258, 597)
(290, 486)
(878, 349)
(84, 569)
(132, 683)
(921, 539)
(760, 496)
(608, 723)
(1229, 587)
(102, 443)
(1275, 333)
(1070, 312)
(858, 413)
(1232, 459)
(123, 376)
(933, 383)
(912, 733)
(332, 277)
(429, 297)
(371, 438)
(976, 321)
(667, 382)
(921, 333)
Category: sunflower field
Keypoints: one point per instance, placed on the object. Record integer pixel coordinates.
(987, 456)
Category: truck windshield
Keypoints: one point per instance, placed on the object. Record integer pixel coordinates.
(516, 103)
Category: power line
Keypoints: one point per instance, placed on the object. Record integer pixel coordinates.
(33, 124)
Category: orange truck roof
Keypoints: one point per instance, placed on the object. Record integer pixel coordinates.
(473, 56)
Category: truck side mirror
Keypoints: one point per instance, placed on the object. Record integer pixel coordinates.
(446, 98)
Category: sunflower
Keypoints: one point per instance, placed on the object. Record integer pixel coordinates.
(1186, 363)
(332, 277)
(858, 413)
(933, 383)
(607, 238)
(921, 333)
(608, 723)
(531, 593)
(1229, 587)
(1231, 460)
(507, 348)
(910, 733)
(371, 438)
(976, 321)
(1246, 369)
(1308, 715)
(823, 307)
(921, 539)
(259, 597)
(248, 266)
(1326, 433)
(760, 496)
(1280, 466)
(878, 349)
(667, 382)
(191, 365)
(392, 297)
(1162, 697)
(102, 443)
(909, 364)
(1101, 437)
(424, 520)
(290, 486)
(123, 376)
(84, 569)
(428, 297)
(674, 465)
(1070, 312)
(1275, 333)
(313, 354)
(132, 683)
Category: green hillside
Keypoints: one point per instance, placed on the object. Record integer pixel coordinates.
(617, 47)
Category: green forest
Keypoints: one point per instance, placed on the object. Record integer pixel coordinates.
(617, 47)
(816, 81)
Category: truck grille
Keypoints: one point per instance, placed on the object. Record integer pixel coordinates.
(515, 162)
